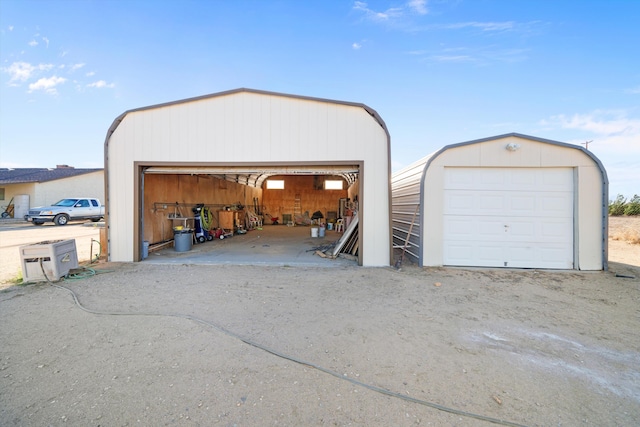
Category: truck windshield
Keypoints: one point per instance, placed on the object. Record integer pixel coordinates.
(66, 202)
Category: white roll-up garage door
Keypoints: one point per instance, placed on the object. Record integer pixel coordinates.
(509, 217)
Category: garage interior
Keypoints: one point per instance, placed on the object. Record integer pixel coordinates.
(239, 202)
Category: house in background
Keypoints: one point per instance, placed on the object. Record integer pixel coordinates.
(31, 187)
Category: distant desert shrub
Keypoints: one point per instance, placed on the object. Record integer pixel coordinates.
(627, 234)
(620, 206)
(633, 206)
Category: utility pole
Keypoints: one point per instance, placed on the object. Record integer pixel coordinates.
(586, 144)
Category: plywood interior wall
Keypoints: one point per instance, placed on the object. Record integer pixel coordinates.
(188, 190)
(310, 189)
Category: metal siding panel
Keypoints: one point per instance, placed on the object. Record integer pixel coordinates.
(591, 224)
(406, 197)
(376, 189)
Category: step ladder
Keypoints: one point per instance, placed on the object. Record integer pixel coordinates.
(297, 208)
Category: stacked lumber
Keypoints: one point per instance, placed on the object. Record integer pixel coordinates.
(347, 245)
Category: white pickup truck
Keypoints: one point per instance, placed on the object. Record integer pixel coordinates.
(66, 210)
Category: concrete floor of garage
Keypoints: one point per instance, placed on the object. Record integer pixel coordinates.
(277, 245)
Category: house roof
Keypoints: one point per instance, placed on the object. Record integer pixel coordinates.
(27, 175)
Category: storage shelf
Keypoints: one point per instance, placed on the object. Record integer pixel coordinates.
(180, 218)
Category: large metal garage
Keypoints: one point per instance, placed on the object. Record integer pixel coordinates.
(221, 150)
(512, 201)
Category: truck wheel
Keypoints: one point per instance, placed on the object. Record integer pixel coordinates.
(37, 223)
(95, 219)
(61, 219)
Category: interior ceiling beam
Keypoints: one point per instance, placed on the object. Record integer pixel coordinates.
(255, 177)
(284, 170)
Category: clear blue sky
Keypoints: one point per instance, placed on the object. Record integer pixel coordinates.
(438, 71)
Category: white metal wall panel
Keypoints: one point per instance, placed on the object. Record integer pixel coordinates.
(509, 217)
(248, 127)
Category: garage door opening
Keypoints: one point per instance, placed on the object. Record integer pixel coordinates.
(237, 201)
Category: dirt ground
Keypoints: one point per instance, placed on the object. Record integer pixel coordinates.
(257, 346)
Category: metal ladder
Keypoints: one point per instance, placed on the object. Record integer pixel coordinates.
(297, 208)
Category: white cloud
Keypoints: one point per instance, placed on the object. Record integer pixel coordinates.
(484, 26)
(634, 90)
(75, 67)
(614, 139)
(19, 71)
(419, 6)
(23, 71)
(452, 58)
(506, 55)
(480, 56)
(47, 85)
(377, 16)
(101, 84)
(601, 122)
(49, 78)
(356, 46)
(611, 131)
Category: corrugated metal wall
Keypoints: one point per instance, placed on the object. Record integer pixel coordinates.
(406, 211)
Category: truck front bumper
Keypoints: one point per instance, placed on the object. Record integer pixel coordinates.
(38, 218)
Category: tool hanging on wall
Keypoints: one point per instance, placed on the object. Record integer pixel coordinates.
(176, 211)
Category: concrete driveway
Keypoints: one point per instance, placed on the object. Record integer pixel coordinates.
(272, 245)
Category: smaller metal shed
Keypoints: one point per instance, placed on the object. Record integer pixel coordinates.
(511, 200)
